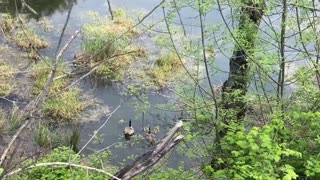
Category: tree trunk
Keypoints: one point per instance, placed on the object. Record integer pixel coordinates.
(235, 87)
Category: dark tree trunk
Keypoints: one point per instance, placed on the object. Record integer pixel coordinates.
(235, 87)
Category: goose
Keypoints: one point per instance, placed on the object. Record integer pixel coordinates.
(150, 137)
(128, 131)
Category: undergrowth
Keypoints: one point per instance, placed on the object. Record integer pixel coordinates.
(63, 154)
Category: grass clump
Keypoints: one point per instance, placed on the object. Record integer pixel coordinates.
(7, 22)
(45, 137)
(15, 118)
(40, 74)
(7, 75)
(42, 135)
(167, 67)
(64, 107)
(2, 120)
(101, 40)
(28, 39)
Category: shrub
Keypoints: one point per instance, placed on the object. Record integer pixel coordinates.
(62, 154)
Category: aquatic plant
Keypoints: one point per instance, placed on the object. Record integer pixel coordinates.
(42, 134)
(2, 119)
(166, 70)
(47, 137)
(40, 74)
(15, 118)
(7, 22)
(7, 75)
(65, 106)
(28, 39)
(101, 40)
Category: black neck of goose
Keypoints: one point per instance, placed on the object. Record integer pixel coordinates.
(130, 123)
(149, 130)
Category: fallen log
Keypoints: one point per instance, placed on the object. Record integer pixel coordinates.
(153, 156)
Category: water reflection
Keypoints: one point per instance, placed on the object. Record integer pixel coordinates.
(35, 8)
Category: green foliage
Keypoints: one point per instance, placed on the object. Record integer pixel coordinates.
(98, 160)
(15, 118)
(255, 154)
(180, 174)
(61, 154)
(163, 173)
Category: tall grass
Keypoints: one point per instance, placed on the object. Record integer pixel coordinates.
(103, 32)
(48, 138)
(64, 107)
(7, 75)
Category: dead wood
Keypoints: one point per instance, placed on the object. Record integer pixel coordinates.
(153, 156)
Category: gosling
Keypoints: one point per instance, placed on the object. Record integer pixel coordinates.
(128, 131)
(150, 137)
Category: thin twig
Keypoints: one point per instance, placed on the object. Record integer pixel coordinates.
(5, 152)
(97, 131)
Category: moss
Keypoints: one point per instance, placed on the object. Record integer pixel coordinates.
(28, 39)
(6, 79)
(64, 107)
(166, 70)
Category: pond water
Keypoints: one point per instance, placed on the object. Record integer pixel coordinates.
(56, 13)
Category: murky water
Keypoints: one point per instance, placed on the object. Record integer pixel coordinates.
(56, 13)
